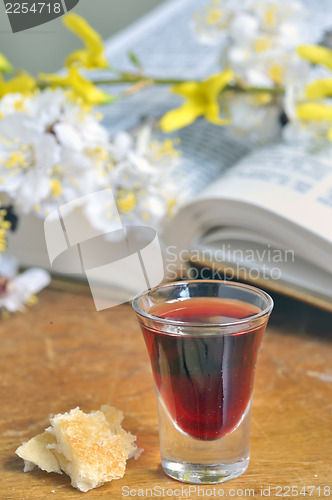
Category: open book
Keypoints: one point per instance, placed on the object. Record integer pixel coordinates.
(267, 220)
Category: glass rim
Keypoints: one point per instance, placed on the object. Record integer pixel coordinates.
(253, 317)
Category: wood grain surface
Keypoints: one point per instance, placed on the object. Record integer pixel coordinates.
(62, 354)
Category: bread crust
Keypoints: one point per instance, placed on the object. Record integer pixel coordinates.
(91, 448)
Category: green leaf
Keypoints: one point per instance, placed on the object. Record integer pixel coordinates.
(134, 59)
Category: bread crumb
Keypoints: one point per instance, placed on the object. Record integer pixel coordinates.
(91, 448)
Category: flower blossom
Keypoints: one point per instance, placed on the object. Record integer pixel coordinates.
(202, 99)
(92, 57)
(258, 41)
(309, 103)
(81, 86)
(23, 83)
(255, 117)
(211, 23)
(142, 183)
(18, 290)
(52, 150)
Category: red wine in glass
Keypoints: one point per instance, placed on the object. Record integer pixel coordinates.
(205, 381)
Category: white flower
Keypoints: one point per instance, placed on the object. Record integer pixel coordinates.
(211, 23)
(121, 145)
(254, 118)
(16, 290)
(27, 156)
(242, 21)
(261, 51)
(141, 182)
(259, 38)
(52, 150)
(264, 63)
(14, 103)
(243, 28)
(274, 15)
(100, 211)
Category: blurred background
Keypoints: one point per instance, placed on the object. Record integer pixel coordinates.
(45, 47)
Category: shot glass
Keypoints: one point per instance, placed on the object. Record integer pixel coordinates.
(203, 339)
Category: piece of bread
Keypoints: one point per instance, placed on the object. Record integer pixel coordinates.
(114, 417)
(91, 448)
(37, 452)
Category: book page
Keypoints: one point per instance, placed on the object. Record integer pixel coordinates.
(259, 260)
(276, 196)
(283, 180)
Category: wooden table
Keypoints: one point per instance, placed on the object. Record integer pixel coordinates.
(62, 354)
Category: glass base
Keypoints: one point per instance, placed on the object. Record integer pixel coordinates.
(204, 474)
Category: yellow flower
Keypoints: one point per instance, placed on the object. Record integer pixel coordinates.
(5, 66)
(201, 100)
(22, 83)
(317, 111)
(319, 89)
(316, 54)
(80, 85)
(93, 55)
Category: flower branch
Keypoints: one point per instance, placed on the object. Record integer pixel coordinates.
(138, 78)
